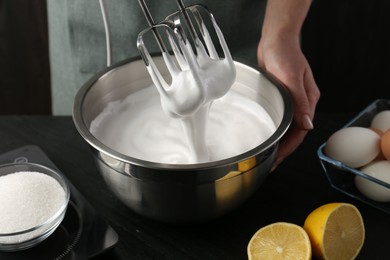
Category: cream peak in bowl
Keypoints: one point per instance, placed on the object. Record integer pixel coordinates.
(137, 127)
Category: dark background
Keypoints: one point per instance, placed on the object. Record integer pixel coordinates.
(346, 42)
(24, 61)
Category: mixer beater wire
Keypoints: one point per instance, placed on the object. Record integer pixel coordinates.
(198, 74)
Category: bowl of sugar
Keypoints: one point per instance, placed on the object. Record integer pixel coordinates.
(145, 160)
(33, 200)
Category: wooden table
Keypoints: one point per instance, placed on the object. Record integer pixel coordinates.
(295, 188)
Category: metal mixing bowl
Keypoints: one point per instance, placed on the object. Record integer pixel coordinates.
(181, 193)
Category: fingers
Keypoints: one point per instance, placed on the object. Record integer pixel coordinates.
(307, 123)
(286, 62)
(295, 73)
(306, 109)
(303, 108)
(305, 95)
(312, 90)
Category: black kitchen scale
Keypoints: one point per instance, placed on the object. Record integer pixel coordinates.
(82, 234)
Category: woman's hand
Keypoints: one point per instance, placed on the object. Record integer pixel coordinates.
(283, 58)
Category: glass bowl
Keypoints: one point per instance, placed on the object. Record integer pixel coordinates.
(32, 236)
(342, 177)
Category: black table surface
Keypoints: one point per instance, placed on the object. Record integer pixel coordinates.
(289, 194)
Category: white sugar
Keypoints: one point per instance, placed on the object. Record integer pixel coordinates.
(28, 199)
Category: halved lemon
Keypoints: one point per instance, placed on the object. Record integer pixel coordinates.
(336, 231)
(280, 240)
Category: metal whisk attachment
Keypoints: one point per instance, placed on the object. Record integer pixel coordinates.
(198, 74)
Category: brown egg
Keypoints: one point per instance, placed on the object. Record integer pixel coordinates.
(385, 144)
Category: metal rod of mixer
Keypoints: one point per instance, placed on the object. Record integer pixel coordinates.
(151, 23)
(188, 19)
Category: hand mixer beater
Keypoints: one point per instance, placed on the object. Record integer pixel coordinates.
(196, 78)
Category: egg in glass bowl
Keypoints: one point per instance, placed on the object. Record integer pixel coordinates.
(354, 157)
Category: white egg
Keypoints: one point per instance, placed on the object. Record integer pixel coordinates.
(381, 120)
(354, 146)
(381, 171)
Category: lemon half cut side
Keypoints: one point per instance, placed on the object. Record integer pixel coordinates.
(336, 231)
(280, 240)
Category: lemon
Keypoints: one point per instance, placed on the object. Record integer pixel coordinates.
(280, 240)
(336, 231)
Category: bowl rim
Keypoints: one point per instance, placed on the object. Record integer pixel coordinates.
(64, 184)
(83, 130)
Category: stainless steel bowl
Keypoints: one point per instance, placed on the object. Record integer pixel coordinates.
(181, 193)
